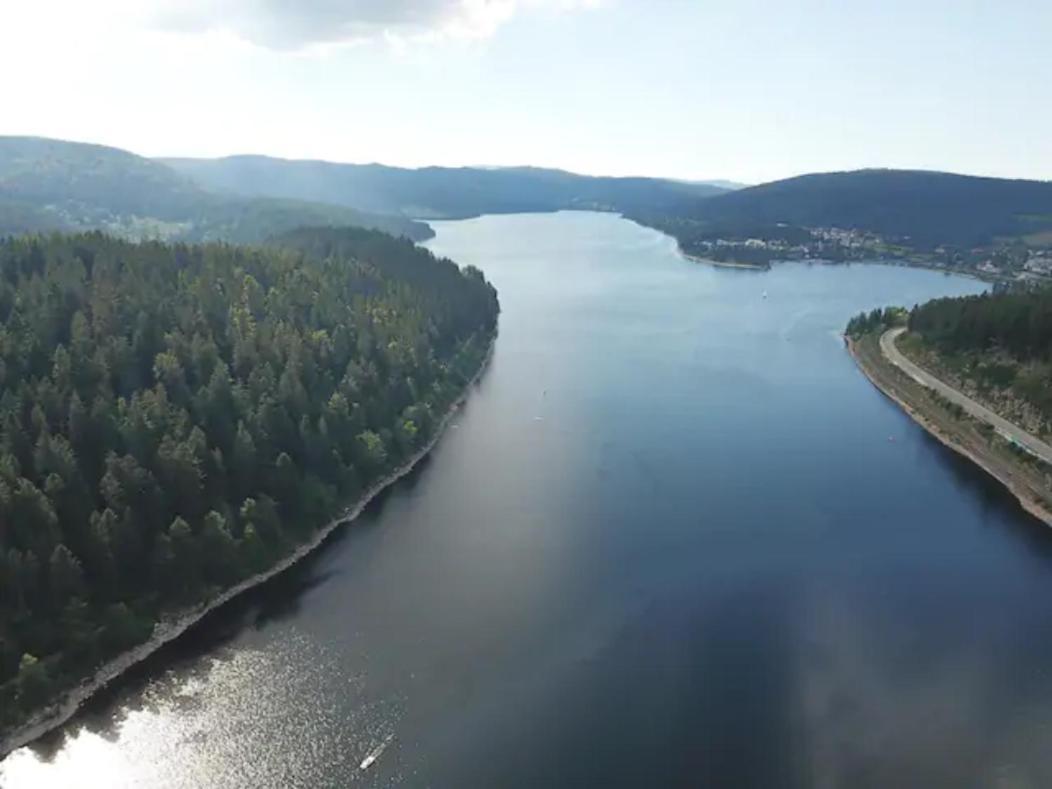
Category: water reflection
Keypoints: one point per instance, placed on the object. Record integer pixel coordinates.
(210, 725)
(1001, 509)
(877, 720)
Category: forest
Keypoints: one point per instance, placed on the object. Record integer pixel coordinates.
(1018, 322)
(175, 418)
(877, 320)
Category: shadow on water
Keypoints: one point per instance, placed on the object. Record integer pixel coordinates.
(275, 600)
(709, 685)
(742, 698)
(997, 503)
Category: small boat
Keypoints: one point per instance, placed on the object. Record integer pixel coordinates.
(764, 294)
(375, 753)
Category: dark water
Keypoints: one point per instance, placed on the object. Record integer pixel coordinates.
(668, 542)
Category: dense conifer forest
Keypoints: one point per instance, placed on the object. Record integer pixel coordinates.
(175, 418)
(1017, 322)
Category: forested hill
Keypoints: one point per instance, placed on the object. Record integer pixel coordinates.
(925, 208)
(56, 185)
(174, 418)
(436, 192)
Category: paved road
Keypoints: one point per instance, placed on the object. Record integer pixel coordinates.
(1003, 426)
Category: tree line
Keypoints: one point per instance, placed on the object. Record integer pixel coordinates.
(875, 321)
(175, 418)
(1017, 322)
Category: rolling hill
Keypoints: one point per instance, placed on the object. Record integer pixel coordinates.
(924, 209)
(436, 192)
(57, 185)
(51, 184)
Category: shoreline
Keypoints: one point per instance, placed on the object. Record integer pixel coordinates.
(906, 261)
(993, 466)
(897, 262)
(724, 263)
(169, 629)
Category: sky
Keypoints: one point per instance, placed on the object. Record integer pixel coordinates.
(746, 90)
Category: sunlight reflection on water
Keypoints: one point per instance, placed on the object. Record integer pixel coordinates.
(211, 728)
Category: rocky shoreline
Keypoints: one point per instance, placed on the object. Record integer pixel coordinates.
(997, 467)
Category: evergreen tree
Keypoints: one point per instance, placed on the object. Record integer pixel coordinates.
(173, 418)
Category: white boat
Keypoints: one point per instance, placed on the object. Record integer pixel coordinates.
(375, 753)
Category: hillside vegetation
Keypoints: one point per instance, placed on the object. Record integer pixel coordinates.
(56, 185)
(997, 346)
(174, 418)
(929, 208)
(911, 210)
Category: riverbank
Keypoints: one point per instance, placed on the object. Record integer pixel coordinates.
(175, 625)
(961, 433)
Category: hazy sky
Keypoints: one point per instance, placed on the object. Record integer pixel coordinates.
(748, 90)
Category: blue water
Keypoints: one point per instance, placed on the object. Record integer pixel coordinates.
(667, 542)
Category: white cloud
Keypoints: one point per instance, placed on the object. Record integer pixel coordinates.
(303, 24)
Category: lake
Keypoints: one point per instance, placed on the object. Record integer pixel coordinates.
(674, 537)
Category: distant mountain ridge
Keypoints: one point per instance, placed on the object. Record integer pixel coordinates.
(928, 208)
(435, 192)
(57, 185)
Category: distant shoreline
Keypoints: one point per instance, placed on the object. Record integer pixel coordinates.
(941, 427)
(725, 263)
(170, 628)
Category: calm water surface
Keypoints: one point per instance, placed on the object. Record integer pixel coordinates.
(668, 542)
